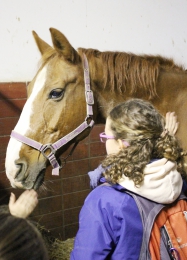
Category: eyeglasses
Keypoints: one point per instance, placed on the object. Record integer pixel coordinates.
(104, 138)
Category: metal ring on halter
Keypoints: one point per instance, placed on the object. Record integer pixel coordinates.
(47, 147)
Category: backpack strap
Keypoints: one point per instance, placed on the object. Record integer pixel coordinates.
(149, 210)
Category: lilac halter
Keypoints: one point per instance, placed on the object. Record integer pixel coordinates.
(64, 140)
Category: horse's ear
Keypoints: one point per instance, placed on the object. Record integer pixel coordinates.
(62, 46)
(42, 46)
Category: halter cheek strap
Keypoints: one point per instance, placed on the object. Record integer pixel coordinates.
(52, 148)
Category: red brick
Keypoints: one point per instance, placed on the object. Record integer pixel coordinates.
(95, 162)
(11, 108)
(3, 143)
(13, 90)
(74, 200)
(2, 161)
(70, 231)
(94, 135)
(97, 149)
(71, 216)
(7, 125)
(48, 205)
(75, 168)
(5, 183)
(75, 184)
(4, 195)
(49, 221)
(81, 151)
(85, 140)
(50, 189)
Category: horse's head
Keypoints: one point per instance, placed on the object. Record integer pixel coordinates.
(55, 106)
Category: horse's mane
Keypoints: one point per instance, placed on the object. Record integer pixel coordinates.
(126, 71)
(129, 70)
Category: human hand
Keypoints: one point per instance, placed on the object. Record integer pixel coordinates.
(171, 124)
(24, 205)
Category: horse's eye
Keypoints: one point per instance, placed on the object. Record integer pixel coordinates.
(56, 93)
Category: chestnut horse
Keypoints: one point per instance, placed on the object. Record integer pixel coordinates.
(56, 103)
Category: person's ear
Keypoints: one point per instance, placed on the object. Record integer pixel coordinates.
(121, 144)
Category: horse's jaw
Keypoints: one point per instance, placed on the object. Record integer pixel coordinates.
(32, 181)
(27, 185)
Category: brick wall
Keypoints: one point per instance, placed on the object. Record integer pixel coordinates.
(61, 198)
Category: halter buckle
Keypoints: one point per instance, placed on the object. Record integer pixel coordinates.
(89, 97)
(45, 148)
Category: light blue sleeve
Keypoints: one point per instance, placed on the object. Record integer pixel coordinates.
(95, 176)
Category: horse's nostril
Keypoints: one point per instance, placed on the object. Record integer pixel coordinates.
(20, 174)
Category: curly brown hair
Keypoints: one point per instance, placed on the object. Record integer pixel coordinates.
(140, 124)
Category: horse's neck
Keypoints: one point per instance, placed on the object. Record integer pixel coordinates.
(105, 97)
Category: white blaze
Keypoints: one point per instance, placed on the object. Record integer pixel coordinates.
(23, 126)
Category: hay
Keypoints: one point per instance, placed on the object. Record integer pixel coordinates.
(61, 250)
(57, 249)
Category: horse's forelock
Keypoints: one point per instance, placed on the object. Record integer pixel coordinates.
(126, 70)
(47, 56)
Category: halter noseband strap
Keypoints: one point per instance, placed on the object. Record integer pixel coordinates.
(43, 148)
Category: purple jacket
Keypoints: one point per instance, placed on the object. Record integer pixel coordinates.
(110, 226)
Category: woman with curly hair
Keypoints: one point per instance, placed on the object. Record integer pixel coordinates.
(143, 157)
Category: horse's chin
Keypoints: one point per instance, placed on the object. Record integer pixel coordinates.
(27, 184)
